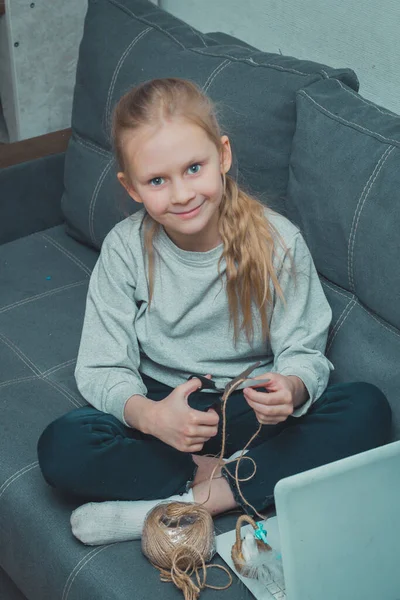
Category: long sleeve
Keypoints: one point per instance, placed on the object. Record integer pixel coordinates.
(108, 360)
(299, 329)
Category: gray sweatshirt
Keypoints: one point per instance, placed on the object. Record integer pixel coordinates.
(186, 330)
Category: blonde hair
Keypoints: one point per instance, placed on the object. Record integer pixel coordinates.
(249, 239)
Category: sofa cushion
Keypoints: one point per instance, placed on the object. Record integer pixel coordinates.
(8, 589)
(43, 286)
(130, 41)
(344, 194)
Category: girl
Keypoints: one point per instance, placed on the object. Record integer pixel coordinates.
(203, 279)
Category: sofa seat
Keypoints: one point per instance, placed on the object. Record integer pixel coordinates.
(44, 280)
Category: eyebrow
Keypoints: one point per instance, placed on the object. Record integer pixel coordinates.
(194, 161)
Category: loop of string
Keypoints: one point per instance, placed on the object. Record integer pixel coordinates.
(222, 463)
(181, 576)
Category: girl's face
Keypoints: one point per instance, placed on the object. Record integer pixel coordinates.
(175, 171)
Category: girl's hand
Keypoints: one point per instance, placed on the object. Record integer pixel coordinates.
(180, 426)
(281, 396)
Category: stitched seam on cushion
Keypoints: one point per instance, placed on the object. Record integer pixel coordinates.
(59, 388)
(390, 328)
(335, 290)
(36, 370)
(143, 20)
(82, 563)
(356, 218)
(63, 391)
(198, 51)
(215, 72)
(331, 333)
(17, 475)
(196, 33)
(67, 253)
(349, 123)
(350, 307)
(18, 380)
(20, 354)
(94, 199)
(150, 14)
(107, 112)
(251, 61)
(103, 152)
(368, 102)
(43, 295)
(60, 366)
(337, 324)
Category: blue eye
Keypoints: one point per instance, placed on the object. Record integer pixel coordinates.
(157, 181)
(194, 168)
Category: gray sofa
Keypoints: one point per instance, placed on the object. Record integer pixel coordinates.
(304, 139)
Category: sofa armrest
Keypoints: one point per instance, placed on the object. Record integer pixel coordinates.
(30, 196)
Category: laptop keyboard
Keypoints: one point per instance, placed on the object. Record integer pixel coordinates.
(277, 590)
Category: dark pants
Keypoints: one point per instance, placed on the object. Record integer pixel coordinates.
(94, 457)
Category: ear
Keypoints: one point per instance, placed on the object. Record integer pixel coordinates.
(124, 181)
(226, 154)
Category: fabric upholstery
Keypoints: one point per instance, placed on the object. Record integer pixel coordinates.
(8, 589)
(30, 197)
(40, 326)
(344, 194)
(254, 90)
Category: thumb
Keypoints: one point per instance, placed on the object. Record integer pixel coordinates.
(191, 386)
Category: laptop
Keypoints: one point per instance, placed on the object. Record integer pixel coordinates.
(336, 530)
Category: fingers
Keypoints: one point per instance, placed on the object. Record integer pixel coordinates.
(194, 444)
(271, 414)
(271, 408)
(208, 418)
(268, 399)
(197, 441)
(194, 448)
(200, 432)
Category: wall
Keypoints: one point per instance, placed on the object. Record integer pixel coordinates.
(39, 49)
(363, 35)
(39, 44)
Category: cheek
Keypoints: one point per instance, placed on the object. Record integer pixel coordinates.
(213, 188)
(155, 203)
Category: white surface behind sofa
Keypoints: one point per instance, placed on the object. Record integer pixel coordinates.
(37, 76)
(39, 51)
(363, 35)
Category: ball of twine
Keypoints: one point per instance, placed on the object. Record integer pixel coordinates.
(176, 524)
(178, 539)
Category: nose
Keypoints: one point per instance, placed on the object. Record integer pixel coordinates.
(182, 192)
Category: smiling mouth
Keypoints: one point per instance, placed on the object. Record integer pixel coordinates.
(187, 212)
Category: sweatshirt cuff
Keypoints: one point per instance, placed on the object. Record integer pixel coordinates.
(312, 383)
(119, 395)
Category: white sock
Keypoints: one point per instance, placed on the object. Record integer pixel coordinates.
(236, 455)
(115, 521)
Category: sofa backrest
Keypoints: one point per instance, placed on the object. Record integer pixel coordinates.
(130, 41)
(342, 175)
(344, 194)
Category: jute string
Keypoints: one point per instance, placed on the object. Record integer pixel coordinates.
(178, 537)
(221, 463)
